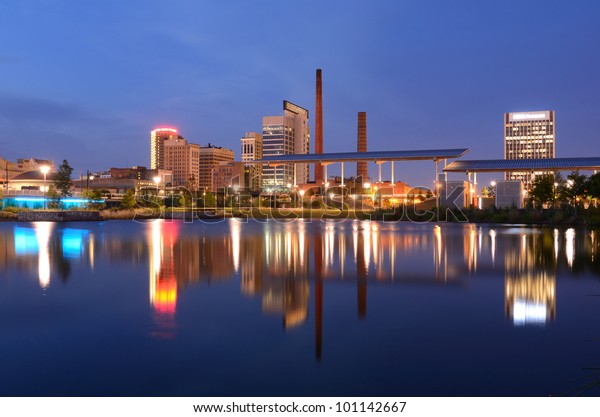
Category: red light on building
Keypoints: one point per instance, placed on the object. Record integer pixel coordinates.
(166, 129)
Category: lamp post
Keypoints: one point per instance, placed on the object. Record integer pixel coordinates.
(89, 177)
(45, 169)
(373, 195)
(156, 181)
(236, 195)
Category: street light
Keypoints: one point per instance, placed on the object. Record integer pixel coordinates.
(89, 177)
(301, 198)
(45, 169)
(374, 192)
(157, 181)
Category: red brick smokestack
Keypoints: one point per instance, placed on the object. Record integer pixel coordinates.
(361, 167)
(319, 129)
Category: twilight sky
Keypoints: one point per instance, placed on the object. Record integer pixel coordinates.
(87, 80)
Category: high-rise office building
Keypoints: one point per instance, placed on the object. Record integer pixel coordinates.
(529, 135)
(252, 146)
(157, 149)
(252, 150)
(284, 135)
(182, 159)
(210, 157)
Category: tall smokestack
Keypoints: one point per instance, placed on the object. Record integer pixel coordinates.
(361, 167)
(319, 129)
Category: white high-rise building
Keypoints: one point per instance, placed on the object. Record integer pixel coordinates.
(529, 135)
(285, 135)
(252, 150)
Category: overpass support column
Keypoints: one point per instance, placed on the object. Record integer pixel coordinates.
(379, 163)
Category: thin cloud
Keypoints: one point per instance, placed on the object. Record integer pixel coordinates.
(33, 110)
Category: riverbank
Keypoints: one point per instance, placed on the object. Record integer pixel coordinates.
(551, 216)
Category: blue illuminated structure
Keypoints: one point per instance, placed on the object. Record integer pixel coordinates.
(34, 203)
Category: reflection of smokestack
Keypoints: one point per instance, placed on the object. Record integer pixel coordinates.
(319, 129)
(318, 255)
(361, 167)
(361, 278)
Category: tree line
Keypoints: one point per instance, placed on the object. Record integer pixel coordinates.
(576, 190)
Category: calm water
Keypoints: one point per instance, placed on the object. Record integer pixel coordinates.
(231, 308)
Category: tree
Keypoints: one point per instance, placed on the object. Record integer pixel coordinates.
(210, 200)
(593, 186)
(576, 188)
(542, 189)
(192, 185)
(62, 181)
(53, 197)
(94, 197)
(128, 200)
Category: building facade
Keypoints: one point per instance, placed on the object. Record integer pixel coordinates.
(157, 145)
(9, 169)
(210, 157)
(228, 176)
(183, 160)
(284, 135)
(252, 149)
(529, 135)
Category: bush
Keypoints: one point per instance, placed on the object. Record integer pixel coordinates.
(14, 210)
(7, 215)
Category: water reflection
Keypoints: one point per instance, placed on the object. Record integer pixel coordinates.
(163, 278)
(286, 265)
(42, 233)
(39, 240)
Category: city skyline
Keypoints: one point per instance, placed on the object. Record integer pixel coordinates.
(415, 69)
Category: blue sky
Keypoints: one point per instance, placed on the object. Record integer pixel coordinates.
(88, 80)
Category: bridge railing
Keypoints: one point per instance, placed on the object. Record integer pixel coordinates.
(29, 193)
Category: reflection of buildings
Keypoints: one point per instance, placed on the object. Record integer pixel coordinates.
(276, 267)
(48, 248)
(163, 279)
(530, 279)
(277, 261)
(163, 276)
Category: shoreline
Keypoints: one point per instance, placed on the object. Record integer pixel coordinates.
(569, 216)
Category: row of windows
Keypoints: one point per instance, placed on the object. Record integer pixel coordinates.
(528, 124)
